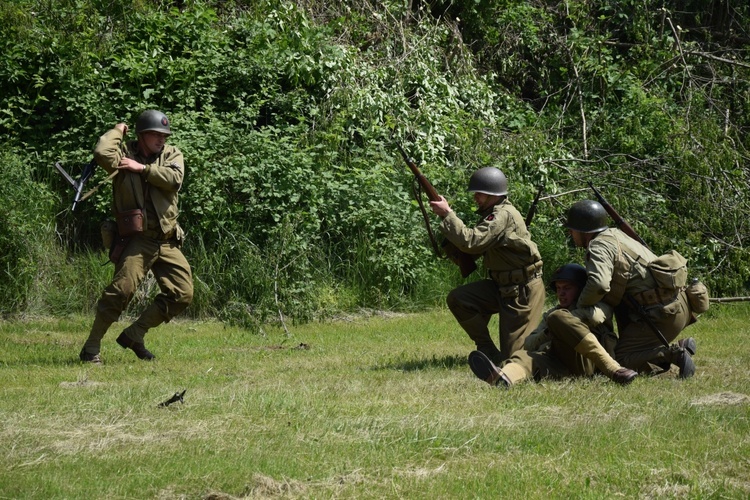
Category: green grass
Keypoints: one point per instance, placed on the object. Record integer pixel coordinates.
(367, 407)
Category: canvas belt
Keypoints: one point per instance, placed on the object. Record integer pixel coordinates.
(517, 276)
(660, 296)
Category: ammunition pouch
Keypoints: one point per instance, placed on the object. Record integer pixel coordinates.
(130, 222)
(508, 291)
(113, 241)
(517, 276)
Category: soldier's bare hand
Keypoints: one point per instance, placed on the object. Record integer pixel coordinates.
(131, 165)
(122, 127)
(440, 207)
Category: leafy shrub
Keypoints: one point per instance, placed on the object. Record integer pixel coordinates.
(26, 233)
(296, 203)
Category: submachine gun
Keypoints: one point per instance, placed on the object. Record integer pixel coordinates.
(463, 260)
(88, 171)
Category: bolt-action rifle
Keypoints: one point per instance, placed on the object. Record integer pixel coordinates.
(619, 221)
(532, 208)
(628, 229)
(463, 260)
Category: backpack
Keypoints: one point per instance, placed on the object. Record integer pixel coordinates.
(669, 271)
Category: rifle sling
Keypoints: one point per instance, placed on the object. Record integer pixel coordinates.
(417, 188)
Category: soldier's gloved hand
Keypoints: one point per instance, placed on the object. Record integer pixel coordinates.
(535, 340)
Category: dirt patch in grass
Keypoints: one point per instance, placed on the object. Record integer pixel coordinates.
(721, 399)
(267, 487)
(80, 384)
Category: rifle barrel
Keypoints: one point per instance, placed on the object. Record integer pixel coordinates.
(428, 188)
(619, 221)
(532, 209)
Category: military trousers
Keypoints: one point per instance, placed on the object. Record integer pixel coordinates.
(639, 346)
(519, 308)
(558, 358)
(173, 276)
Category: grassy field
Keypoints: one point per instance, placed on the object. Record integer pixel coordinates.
(379, 406)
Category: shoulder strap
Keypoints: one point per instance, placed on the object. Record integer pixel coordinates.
(417, 189)
(621, 272)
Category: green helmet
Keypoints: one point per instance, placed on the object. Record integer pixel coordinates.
(575, 273)
(488, 180)
(152, 120)
(587, 216)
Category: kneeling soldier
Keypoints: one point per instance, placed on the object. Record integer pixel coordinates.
(514, 289)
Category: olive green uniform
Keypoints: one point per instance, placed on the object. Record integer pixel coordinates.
(157, 248)
(616, 266)
(570, 343)
(514, 290)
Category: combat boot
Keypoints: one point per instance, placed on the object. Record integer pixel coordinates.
(137, 347)
(486, 370)
(689, 345)
(590, 348)
(682, 358)
(94, 341)
(86, 357)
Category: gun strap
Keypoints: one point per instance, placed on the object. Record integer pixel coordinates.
(417, 188)
(634, 305)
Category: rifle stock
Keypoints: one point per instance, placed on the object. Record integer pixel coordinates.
(619, 221)
(463, 260)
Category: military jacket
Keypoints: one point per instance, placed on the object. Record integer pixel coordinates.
(615, 264)
(154, 190)
(501, 238)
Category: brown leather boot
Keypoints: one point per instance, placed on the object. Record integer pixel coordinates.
(624, 376)
(590, 348)
(484, 368)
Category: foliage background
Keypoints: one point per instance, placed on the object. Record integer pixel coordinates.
(296, 203)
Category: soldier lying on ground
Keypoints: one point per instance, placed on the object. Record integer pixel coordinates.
(569, 341)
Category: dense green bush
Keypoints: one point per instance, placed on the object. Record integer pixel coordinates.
(296, 202)
(27, 242)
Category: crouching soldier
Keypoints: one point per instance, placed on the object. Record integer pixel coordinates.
(620, 273)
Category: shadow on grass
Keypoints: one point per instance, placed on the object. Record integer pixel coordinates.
(447, 362)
